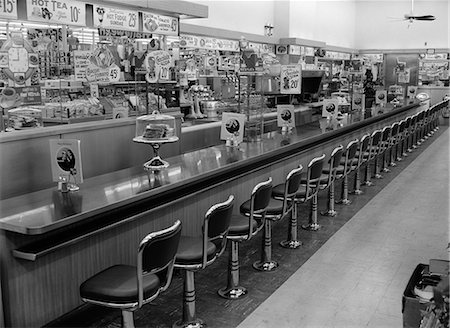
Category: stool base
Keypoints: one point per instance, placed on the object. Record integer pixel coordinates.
(265, 266)
(198, 323)
(331, 213)
(292, 244)
(311, 226)
(344, 202)
(357, 192)
(232, 293)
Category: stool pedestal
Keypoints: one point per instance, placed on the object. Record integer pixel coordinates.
(189, 319)
(312, 225)
(266, 263)
(292, 241)
(233, 290)
(344, 193)
(330, 211)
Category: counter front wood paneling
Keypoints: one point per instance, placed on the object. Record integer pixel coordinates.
(111, 213)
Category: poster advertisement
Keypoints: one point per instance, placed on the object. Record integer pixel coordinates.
(285, 116)
(232, 127)
(57, 11)
(102, 66)
(159, 24)
(330, 107)
(381, 97)
(65, 156)
(158, 65)
(8, 9)
(290, 80)
(115, 18)
(81, 62)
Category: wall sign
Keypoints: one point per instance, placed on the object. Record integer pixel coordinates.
(8, 9)
(56, 11)
(193, 41)
(291, 77)
(159, 24)
(114, 18)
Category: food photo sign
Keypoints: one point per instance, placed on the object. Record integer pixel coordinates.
(330, 108)
(232, 127)
(65, 155)
(381, 97)
(159, 24)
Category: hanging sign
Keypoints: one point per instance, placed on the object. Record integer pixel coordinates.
(158, 65)
(57, 11)
(159, 24)
(8, 9)
(107, 17)
(291, 77)
(80, 63)
(102, 67)
(294, 49)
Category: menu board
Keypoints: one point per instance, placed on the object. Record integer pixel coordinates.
(159, 24)
(8, 9)
(107, 17)
(291, 77)
(57, 11)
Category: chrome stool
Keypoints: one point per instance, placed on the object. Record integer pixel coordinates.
(362, 159)
(382, 150)
(129, 287)
(244, 227)
(311, 183)
(397, 155)
(278, 208)
(330, 176)
(287, 191)
(196, 253)
(371, 155)
(411, 131)
(348, 164)
(393, 145)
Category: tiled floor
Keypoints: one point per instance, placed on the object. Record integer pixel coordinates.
(357, 277)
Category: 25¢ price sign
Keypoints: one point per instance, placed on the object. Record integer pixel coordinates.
(57, 11)
(8, 9)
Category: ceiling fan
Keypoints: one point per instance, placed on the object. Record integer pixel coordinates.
(411, 17)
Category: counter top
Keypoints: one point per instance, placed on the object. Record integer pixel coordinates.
(134, 189)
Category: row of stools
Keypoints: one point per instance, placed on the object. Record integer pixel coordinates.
(130, 287)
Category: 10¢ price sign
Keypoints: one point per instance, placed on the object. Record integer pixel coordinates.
(57, 11)
(8, 9)
(291, 78)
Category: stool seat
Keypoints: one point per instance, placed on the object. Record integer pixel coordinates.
(190, 250)
(118, 284)
(275, 207)
(239, 226)
(278, 192)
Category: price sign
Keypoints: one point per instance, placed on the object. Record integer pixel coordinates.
(159, 24)
(115, 18)
(291, 77)
(8, 9)
(57, 11)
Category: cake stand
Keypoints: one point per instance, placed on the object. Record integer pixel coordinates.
(156, 163)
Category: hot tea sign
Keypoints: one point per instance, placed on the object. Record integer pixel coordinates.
(56, 11)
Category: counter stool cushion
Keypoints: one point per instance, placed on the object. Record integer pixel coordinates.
(278, 191)
(118, 284)
(275, 207)
(239, 225)
(323, 179)
(190, 250)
